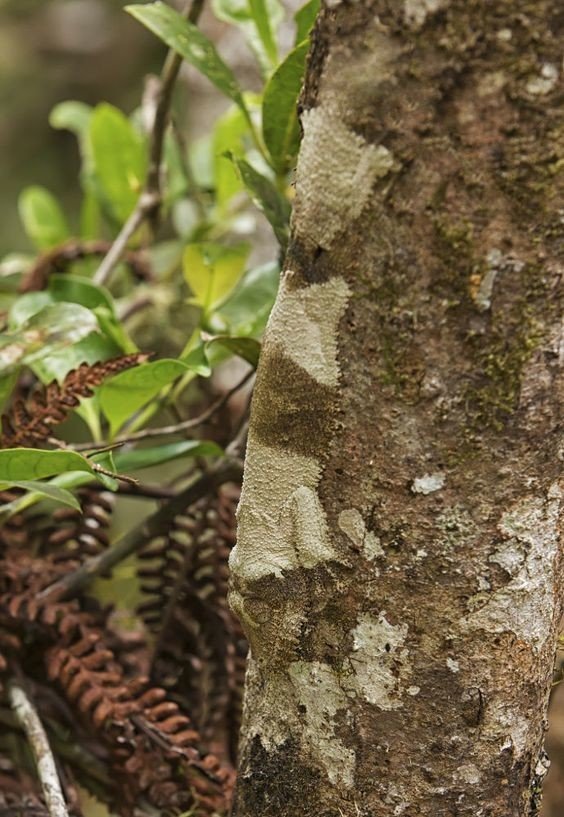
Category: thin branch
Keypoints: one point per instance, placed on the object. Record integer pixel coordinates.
(144, 490)
(228, 469)
(134, 307)
(28, 718)
(147, 202)
(150, 199)
(176, 428)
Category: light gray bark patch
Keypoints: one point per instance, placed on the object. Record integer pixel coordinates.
(524, 606)
(352, 525)
(336, 171)
(428, 483)
(417, 11)
(303, 326)
(318, 693)
(264, 541)
(379, 661)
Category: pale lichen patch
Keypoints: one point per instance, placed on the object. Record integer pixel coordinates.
(336, 171)
(457, 528)
(453, 665)
(506, 725)
(468, 773)
(545, 82)
(320, 696)
(379, 661)
(303, 326)
(352, 524)
(417, 11)
(524, 605)
(510, 558)
(428, 483)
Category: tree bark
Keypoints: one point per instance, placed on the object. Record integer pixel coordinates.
(398, 570)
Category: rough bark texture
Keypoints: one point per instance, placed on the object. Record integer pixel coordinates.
(398, 570)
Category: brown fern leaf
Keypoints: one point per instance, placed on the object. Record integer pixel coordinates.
(78, 535)
(156, 751)
(13, 531)
(200, 650)
(30, 422)
(24, 617)
(58, 258)
(136, 722)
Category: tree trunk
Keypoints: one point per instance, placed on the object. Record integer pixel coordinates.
(398, 570)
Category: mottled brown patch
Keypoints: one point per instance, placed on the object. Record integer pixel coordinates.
(291, 410)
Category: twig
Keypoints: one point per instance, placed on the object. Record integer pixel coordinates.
(228, 469)
(176, 428)
(45, 762)
(134, 307)
(146, 491)
(149, 201)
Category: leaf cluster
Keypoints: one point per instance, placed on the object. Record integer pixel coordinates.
(109, 394)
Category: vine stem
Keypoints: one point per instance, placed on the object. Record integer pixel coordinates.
(28, 718)
(149, 201)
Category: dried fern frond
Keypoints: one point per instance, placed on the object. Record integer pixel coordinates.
(58, 258)
(200, 650)
(136, 722)
(78, 535)
(157, 753)
(30, 422)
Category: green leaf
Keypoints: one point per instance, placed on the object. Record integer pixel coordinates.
(78, 290)
(188, 41)
(42, 217)
(51, 329)
(197, 360)
(246, 348)
(267, 198)
(280, 127)
(251, 302)
(128, 391)
(61, 288)
(228, 135)
(305, 18)
(17, 464)
(147, 457)
(212, 270)
(118, 158)
(258, 20)
(7, 385)
(263, 12)
(26, 306)
(73, 116)
(43, 489)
